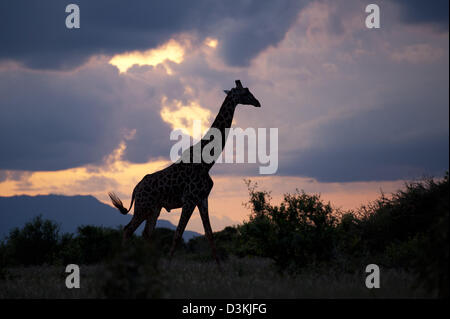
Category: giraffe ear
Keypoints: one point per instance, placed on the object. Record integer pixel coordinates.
(226, 91)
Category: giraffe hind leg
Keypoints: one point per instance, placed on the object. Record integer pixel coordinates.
(131, 227)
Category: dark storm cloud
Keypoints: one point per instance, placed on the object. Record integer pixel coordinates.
(405, 137)
(259, 24)
(152, 138)
(428, 12)
(370, 162)
(13, 175)
(343, 162)
(62, 130)
(401, 132)
(52, 121)
(34, 32)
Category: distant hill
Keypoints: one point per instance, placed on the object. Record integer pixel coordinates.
(68, 211)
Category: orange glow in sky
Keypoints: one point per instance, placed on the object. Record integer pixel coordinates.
(182, 116)
(212, 43)
(171, 50)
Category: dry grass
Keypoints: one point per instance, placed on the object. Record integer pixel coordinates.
(239, 278)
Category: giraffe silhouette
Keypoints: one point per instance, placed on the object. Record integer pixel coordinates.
(184, 184)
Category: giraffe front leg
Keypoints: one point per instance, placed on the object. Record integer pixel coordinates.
(186, 214)
(204, 214)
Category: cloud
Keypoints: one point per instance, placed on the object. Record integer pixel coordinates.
(113, 173)
(13, 175)
(417, 53)
(75, 118)
(66, 120)
(371, 118)
(345, 108)
(254, 26)
(170, 51)
(182, 117)
(346, 158)
(35, 35)
(425, 12)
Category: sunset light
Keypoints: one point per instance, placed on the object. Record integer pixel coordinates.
(182, 116)
(170, 51)
(212, 43)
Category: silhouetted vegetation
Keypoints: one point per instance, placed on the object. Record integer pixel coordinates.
(405, 232)
(36, 243)
(40, 242)
(132, 273)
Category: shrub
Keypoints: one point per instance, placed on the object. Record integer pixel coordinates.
(36, 243)
(133, 273)
(3, 260)
(298, 232)
(96, 244)
(411, 230)
(161, 240)
(226, 242)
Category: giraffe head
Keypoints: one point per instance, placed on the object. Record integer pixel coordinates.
(242, 95)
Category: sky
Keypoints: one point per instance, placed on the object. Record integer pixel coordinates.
(359, 111)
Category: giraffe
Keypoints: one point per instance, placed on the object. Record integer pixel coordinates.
(184, 184)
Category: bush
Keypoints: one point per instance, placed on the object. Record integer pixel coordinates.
(96, 244)
(408, 230)
(40, 242)
(3, 260)
(298, 232)
(162, 240)
(36, 243)
(133, 273)
(226, 242)
(411, 230)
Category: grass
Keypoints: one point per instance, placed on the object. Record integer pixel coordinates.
(186, 278)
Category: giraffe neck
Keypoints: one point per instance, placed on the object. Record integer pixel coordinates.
(224, 118)
(222, 121)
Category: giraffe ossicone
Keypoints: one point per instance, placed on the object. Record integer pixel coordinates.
(184, 185)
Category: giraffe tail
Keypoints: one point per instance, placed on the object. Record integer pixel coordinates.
(118, 203)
